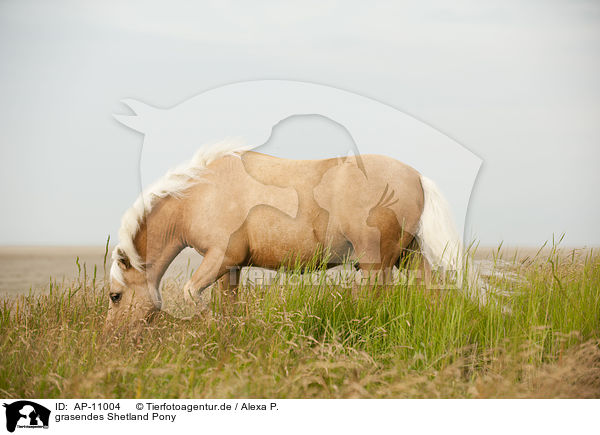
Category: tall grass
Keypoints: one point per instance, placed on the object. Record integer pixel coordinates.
(536, 337)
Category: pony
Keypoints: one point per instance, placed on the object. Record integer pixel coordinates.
(238, 207)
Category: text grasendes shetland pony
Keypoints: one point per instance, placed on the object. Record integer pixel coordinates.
(238, 207)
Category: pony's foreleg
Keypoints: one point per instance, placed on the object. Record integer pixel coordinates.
(213, 266)
(228, 288)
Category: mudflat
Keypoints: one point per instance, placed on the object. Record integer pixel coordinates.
(31, 267)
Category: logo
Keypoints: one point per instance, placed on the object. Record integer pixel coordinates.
(26, 414)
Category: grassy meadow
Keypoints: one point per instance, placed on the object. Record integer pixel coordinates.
(538, 336)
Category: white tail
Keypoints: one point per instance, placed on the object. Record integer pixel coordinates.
(437, 235)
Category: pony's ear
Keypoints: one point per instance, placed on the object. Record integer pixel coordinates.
(123, 260)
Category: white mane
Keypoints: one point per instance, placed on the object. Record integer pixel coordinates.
(173, 183)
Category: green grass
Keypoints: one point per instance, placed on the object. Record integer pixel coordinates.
(538, 339)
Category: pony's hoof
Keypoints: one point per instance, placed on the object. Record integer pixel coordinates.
(190, 295)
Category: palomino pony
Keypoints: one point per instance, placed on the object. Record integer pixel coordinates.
(238, 207)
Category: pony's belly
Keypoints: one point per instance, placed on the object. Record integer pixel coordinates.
(281, 243)
(275, 253)
(275, 256)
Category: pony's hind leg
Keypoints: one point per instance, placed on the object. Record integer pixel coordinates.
(414, 263)
(420, 274)
(378, 245)
(375, 271)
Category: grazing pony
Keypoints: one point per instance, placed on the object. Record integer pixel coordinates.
(238, 207)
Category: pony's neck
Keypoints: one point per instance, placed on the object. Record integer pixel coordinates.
(159, 238)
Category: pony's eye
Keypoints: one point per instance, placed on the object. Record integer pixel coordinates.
(115, 297)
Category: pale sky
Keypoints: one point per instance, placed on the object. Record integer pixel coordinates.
(515, 82)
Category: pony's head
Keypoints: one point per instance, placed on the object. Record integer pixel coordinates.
(132, 301)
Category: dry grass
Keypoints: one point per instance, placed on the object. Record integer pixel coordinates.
(538, 337)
